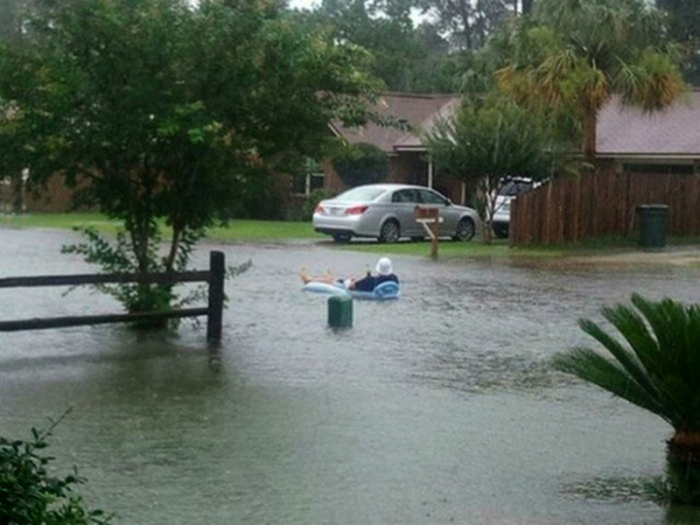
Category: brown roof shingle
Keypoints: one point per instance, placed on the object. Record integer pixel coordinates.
(673, 132)
(419, 111)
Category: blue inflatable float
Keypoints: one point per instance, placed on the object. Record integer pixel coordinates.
(383, 292)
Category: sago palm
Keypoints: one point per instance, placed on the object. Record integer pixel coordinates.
(656, 366)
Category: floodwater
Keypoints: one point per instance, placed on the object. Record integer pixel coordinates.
(436, 408)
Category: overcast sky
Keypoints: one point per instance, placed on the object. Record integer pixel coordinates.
(303, 4)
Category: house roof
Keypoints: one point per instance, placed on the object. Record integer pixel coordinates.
(419, 111)
(624, 131)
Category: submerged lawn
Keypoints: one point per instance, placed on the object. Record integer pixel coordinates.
(252, 231)
(238, 230)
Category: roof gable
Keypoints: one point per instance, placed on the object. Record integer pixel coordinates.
(419, 111)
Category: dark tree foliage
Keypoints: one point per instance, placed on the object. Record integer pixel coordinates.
(684, 28)
(467, 24)
(408, 58)
(361, 164)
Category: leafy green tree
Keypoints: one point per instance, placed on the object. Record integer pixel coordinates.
(13, 129)
(573, 55)
(655, 366)
(488, 140)
(166, 112)
(467, 24)
(407, 58)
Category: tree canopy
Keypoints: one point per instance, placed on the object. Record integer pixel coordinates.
(491, 139)
(573, 55)
(406, 57)
(167, 111)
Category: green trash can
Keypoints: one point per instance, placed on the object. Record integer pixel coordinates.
(340, 311)
(652, 225)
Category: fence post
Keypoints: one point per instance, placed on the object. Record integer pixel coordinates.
(217, 269)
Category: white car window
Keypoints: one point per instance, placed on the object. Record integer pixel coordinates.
(360, 194)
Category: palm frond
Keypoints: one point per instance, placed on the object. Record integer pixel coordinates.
(627, 358)
(655, 364)
(594, 368)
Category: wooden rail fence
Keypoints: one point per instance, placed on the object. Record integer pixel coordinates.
(572, 209)
(215, 276)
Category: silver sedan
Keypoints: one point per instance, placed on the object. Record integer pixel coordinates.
(388, 213)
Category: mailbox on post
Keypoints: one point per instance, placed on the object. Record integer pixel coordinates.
(430, 218)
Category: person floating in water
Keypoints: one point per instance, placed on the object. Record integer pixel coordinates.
(384, 272)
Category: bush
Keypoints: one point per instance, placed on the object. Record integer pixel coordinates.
(30, 496)
(316, 196)
(361, 164)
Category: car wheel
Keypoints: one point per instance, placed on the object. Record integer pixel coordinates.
(465, 230)
(390, 232)
(342, 237)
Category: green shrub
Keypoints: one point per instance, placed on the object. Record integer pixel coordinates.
(361, 164)
(29, 495)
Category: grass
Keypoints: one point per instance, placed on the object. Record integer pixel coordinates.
(238, 230)
(256, 231)
(447, 249)
(252, 231)
(64, 221)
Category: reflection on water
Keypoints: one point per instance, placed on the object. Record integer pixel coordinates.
(481, 372)
(437, 408)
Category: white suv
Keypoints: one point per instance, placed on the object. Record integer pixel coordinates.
(509, 188)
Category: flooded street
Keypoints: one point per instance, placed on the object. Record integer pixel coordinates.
(436, 408)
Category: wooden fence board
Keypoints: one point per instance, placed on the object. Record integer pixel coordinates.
(215, 276)
(603, 203)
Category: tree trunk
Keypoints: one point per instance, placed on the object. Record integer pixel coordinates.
(590, 121)
(683, 467)
(17, 192)
(489, 196)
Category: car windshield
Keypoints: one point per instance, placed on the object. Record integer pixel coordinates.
(360, 194)
(514, 187)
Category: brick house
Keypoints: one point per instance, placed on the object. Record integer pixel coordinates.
(407, 154)
(630, 140)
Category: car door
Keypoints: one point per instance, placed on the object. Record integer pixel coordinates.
(432, 199)
(404, 204)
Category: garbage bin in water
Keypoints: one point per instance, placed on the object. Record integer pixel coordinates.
(652, 225)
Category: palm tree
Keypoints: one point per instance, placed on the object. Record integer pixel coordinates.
(573, 55)
(656, 367)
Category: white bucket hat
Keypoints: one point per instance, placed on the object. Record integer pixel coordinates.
(384, 266)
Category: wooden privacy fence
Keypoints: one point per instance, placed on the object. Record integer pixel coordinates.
(571, 209)
(215, 276)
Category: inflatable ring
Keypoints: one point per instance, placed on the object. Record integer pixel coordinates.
(385, 291)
